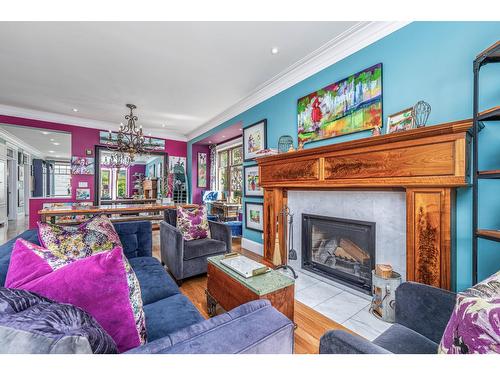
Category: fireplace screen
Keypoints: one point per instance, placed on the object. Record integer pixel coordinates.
(340, 249)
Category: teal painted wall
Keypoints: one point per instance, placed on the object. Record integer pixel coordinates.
(429, 61)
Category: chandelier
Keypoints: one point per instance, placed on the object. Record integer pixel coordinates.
(129, 141)
(116, 160)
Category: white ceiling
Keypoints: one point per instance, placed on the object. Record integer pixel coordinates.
(179, 74)
(38, 142)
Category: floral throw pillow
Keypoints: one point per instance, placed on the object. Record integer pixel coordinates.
(474, 326)
(193, 223)
(94, 236)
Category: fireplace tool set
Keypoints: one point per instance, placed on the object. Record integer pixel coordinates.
(292, 253)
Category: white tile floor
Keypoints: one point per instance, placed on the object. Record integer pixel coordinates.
(339, 304)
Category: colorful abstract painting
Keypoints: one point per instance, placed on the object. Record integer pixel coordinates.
(82, 165)
(351, 105)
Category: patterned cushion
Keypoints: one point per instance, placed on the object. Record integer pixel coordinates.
(193, 223)
(96, 284)
(95, 235)
(31, 324)
(474, 326)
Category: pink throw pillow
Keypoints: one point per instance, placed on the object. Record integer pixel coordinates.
(96, 284)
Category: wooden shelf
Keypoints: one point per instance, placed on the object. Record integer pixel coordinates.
(493, 174)
(492, 114)
(489, 234)
(491, 54)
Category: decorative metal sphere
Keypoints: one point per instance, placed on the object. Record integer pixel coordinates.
(284, 143)
(420, 113)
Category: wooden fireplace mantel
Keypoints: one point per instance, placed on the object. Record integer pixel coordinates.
(428, 163)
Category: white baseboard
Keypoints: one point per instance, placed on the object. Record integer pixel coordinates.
(253, 246)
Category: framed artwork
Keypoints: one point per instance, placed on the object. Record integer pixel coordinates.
(82, 194)
(251, 186)
(400, 121)
(202, 169)
(82, 165)
(254, 139)
(254, 216)
(150, 143)
(348, 106)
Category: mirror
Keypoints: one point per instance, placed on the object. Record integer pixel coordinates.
(38, 163)
(141, 182)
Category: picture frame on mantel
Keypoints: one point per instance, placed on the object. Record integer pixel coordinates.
(251, 184)
(254, 139)
(254, 216)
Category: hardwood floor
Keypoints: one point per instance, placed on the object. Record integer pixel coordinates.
(311, 325)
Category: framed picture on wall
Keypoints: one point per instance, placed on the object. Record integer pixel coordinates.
(254, 139)
(202, 170)
(82, 194)
(254, 216)
(252, 183)
(350, 105)
(82, 165)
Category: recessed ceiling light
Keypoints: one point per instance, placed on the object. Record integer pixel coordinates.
(209, 141)
(52, 139)
(75, 109)
(240, 129)
(56, 143)
(163, 125)
(45, 132)
(51, 151)
(223, 136)
(274, 50)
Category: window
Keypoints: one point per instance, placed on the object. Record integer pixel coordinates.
(105, 185)
(62, 179)
(230, 171)
(121, 183)
(113, 183)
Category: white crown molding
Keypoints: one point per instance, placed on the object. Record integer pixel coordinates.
(253, 246)
(33, 114)
(352, 40)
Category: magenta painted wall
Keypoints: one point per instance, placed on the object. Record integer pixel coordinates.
(81, 139)
(137, 168)
(197, 197)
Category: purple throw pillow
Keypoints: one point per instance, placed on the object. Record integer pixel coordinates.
(93, 236)
(474, 326)
(193, 223)
(97, 284)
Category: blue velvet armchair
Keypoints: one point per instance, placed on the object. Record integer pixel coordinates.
(422, 313)
(189, 258)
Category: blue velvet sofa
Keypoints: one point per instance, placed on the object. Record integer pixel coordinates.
(422, 313)
(173, 324)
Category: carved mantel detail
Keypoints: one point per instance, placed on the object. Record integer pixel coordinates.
(428, 163)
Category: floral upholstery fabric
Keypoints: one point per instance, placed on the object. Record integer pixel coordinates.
(474, 326)
(95, 235)
(193, 223)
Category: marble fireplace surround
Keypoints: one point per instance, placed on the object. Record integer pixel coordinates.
(386, 208)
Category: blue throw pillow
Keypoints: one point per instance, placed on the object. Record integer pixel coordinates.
(31, 324)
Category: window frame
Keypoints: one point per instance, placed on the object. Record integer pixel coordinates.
(228, 167)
